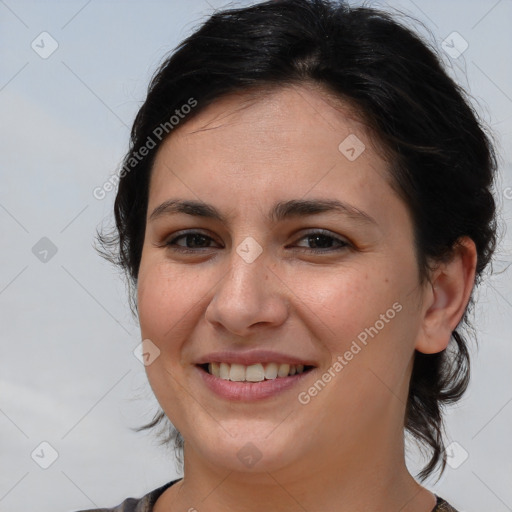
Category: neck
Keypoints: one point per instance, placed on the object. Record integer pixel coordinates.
(374, 478)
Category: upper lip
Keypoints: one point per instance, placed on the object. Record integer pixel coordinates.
(248, 358)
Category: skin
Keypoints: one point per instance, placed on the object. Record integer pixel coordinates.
(342, 451)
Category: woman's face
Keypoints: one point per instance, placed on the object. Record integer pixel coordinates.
(269, 275)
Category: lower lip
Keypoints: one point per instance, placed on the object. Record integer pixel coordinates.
(250, 391)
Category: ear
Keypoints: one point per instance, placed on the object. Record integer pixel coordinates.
(446, 297)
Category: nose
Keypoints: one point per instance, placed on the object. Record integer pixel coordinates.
(249, 297)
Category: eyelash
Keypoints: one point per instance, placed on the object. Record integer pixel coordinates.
(325, 234)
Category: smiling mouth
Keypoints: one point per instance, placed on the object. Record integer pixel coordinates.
(258, 372)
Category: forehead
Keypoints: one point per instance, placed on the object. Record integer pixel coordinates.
(273, 145)
(272, 124)
(288, 110)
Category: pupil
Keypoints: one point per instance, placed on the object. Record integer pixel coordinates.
(195, 237)
(325, 238)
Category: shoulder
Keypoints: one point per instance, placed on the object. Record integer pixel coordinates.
(143, 504)
(443, 506)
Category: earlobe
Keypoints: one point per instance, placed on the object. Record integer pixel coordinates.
(448, 295)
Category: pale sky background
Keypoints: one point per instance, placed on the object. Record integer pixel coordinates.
(68, 376)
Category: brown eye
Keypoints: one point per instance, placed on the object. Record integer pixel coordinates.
(322, 241)
(193, 240)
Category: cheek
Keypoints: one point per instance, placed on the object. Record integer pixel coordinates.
(162, 307)
(346, 300)
(163, 300)
(371, 307)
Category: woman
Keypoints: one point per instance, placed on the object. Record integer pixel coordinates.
(303, 214)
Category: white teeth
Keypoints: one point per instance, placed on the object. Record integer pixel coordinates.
(254, 372)
(271, 370)
(237, 372)
(214, 369)
(224, 371)
(284, 370)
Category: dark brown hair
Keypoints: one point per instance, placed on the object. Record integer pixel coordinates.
(442, 161)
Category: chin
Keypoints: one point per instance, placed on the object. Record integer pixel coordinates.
(248, 452)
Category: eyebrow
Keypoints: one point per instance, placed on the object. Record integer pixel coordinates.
(280, 211)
